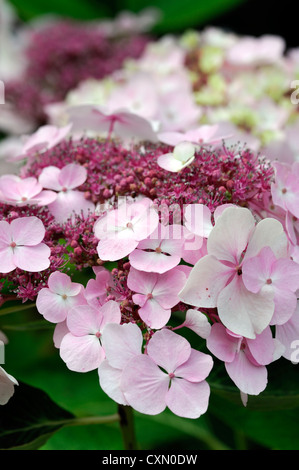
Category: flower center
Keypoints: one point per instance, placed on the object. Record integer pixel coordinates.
(13, 244)
(150, 295)
(284, 190)
(64, 296)
(98, 334)
(129, 225)
(269, 281)
(24, 198)
(158, 250)
(171, 375)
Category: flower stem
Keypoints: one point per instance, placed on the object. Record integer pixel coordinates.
(127, 427)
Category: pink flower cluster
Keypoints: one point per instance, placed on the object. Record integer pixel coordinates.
(210, 243)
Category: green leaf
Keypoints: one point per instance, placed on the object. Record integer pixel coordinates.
(177, 15)
(30, 418)
(78, 9)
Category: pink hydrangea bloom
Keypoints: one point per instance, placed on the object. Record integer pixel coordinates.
(281, 276)
(216, 279)
(17, 191)
(81, 348)
(156, 294)
(69, 200)
(7, 386)
(160, 252)
(21, 245)
(120, 230)
(55, 301)
(171, 374)
(245, 359)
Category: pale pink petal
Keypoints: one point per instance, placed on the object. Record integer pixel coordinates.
(68, 203)
(83, 320)
(49, 178)
(72, 175)
(52, 306)
(168, 286)
(197, 322)
(268, 232)
(288, 335)
(285, 305)
(32, 258)
(169, 163)
(153, 314)
(141, 282)
(5, 234)
(196, 368)
(188, 400)
(230, 236)
(60, 331)
(247, 377)
(6, 260)
(121, 343)
(7, 384)
(144, 385)
(262, 347)
(243, 312)
(61, 283)
(153, 261)
(109, 313)
(45, 197)
(198, 219)
(205, 282)
(110, 380)
(223, 345)
(28, 231)
(168, 350)
(113, 249)
(81, 353)
(256, 270)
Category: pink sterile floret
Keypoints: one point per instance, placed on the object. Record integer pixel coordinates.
(161, 251)
(65, 181)
(216, 279)
(281, 276)
(81, 348)
(156, 294)
(21, 247)
(55, 301)
(171, 374)
(120, 230)
(21, 192)
(245, 359)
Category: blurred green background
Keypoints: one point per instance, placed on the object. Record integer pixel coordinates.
(31, 356)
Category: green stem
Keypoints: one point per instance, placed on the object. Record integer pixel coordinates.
(16, 308)
(127, 427)
(93, 420)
